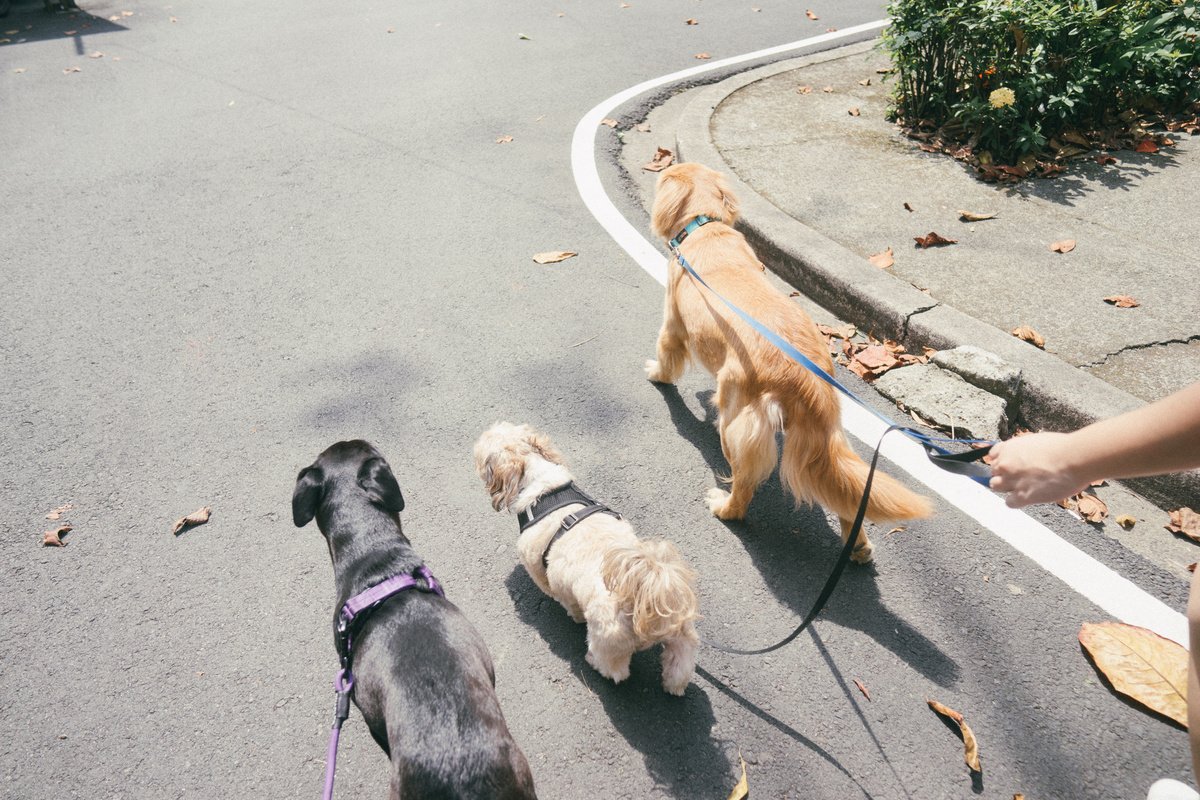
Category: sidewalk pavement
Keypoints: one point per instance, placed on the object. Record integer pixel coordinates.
(822, 190)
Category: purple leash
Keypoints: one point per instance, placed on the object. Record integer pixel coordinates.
(343, 683)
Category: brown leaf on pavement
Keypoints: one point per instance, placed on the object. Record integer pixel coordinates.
(1147, 146)
(1065, 246)
(844, 332)
(932, 240)
(1126, 521)
(1186, 522)
(504, 139)
(968, 216)
(883, 260)
(1105, 160)
(69, 70)
(810, 14)
(875, 359)
(643, 127)
(970, 746)
(58, 512)
(859, 684)
(804, 90)
(853, 112)
(662, 159)
(865, 82)
(1030, 335)
(1140, 664)
(908, 207)
(195, 518)
(828, 89)
(691, 22)
(553, 257)
(1091, 508)
(703, 55)
(53, 538)
(1122, 301)
(612, 123)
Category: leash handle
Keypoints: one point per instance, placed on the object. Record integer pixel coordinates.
(340, 714)
(838, 569)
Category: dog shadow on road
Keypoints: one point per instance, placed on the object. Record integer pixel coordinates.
(795, 550)
(673, 734)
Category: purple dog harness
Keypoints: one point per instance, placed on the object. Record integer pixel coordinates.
(358, 607)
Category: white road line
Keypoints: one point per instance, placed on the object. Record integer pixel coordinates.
(1087, 576)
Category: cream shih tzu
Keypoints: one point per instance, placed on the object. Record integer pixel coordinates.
(632, 594)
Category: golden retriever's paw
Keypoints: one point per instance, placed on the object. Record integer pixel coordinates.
(863, 553)
(718, 501)
(654, 372)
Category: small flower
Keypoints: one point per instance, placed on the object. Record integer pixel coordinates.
(1001, 98)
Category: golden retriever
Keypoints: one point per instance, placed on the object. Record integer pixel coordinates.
(760, 390)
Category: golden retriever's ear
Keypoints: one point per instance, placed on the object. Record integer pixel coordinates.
(670, 194)
(729, 200)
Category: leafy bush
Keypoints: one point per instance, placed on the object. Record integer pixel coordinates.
(1015, 73)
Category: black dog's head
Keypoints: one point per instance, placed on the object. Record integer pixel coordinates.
(354, 467)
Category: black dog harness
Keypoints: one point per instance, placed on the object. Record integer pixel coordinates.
(566, 495)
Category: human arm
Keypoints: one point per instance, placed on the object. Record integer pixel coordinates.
(1153, 440)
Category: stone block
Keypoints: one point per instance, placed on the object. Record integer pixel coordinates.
(980, 368)
(945, 398)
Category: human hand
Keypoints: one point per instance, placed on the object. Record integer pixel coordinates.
(1035, 468)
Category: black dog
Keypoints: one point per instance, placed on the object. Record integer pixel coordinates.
(423, 677)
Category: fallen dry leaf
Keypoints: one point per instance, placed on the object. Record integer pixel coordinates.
(862, 688)
(897, 529)
(853, 112)
(1192, 566)
(612, 123)
(643, 127)
(1122, 301)
(970, 746)
(1105, 160)
(908, 207)
(703, 55)
(53, 538)
(968, 216)
(743, 786)
(804, 90)
(1065, 246)
(810, 14)
(1091, 508)
(69, 70)
(196, 518)
(932, 240)
(1186, 522)
(1140, 664)
(58, 512)
(96, 54)
(691, 22)
(1147, 146)
(504, 139)
(662, 159)
(883, 260)
(876, 358)
(865, 82)
(553, 257)
(844, 332)
(827, 89)
(20, 69)
(1030, 335)
(1126, 521)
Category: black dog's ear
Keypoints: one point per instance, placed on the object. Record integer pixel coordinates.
(377, 480)
(310, 488)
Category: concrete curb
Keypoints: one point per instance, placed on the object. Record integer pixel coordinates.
(1056, 395)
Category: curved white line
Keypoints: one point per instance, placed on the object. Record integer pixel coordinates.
(1087, 576)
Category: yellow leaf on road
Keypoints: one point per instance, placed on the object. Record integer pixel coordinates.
(553, 257)
(743, 788)
(1140, 664)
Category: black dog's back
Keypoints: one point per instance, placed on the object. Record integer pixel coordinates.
(423, 676)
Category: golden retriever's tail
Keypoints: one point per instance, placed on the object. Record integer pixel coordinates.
(653, 586)
(829, 472)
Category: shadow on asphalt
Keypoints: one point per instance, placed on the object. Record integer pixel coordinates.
(673, 734)
(795, 550)
(33, 23)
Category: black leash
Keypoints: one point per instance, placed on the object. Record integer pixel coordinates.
(967, 463)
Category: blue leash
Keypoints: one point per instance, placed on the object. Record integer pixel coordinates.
(968, 463)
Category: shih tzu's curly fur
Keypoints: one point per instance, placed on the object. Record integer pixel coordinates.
(632, 594)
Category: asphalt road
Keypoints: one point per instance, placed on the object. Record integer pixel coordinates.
(241, 234)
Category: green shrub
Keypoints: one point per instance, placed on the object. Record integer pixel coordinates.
(1015, 73)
